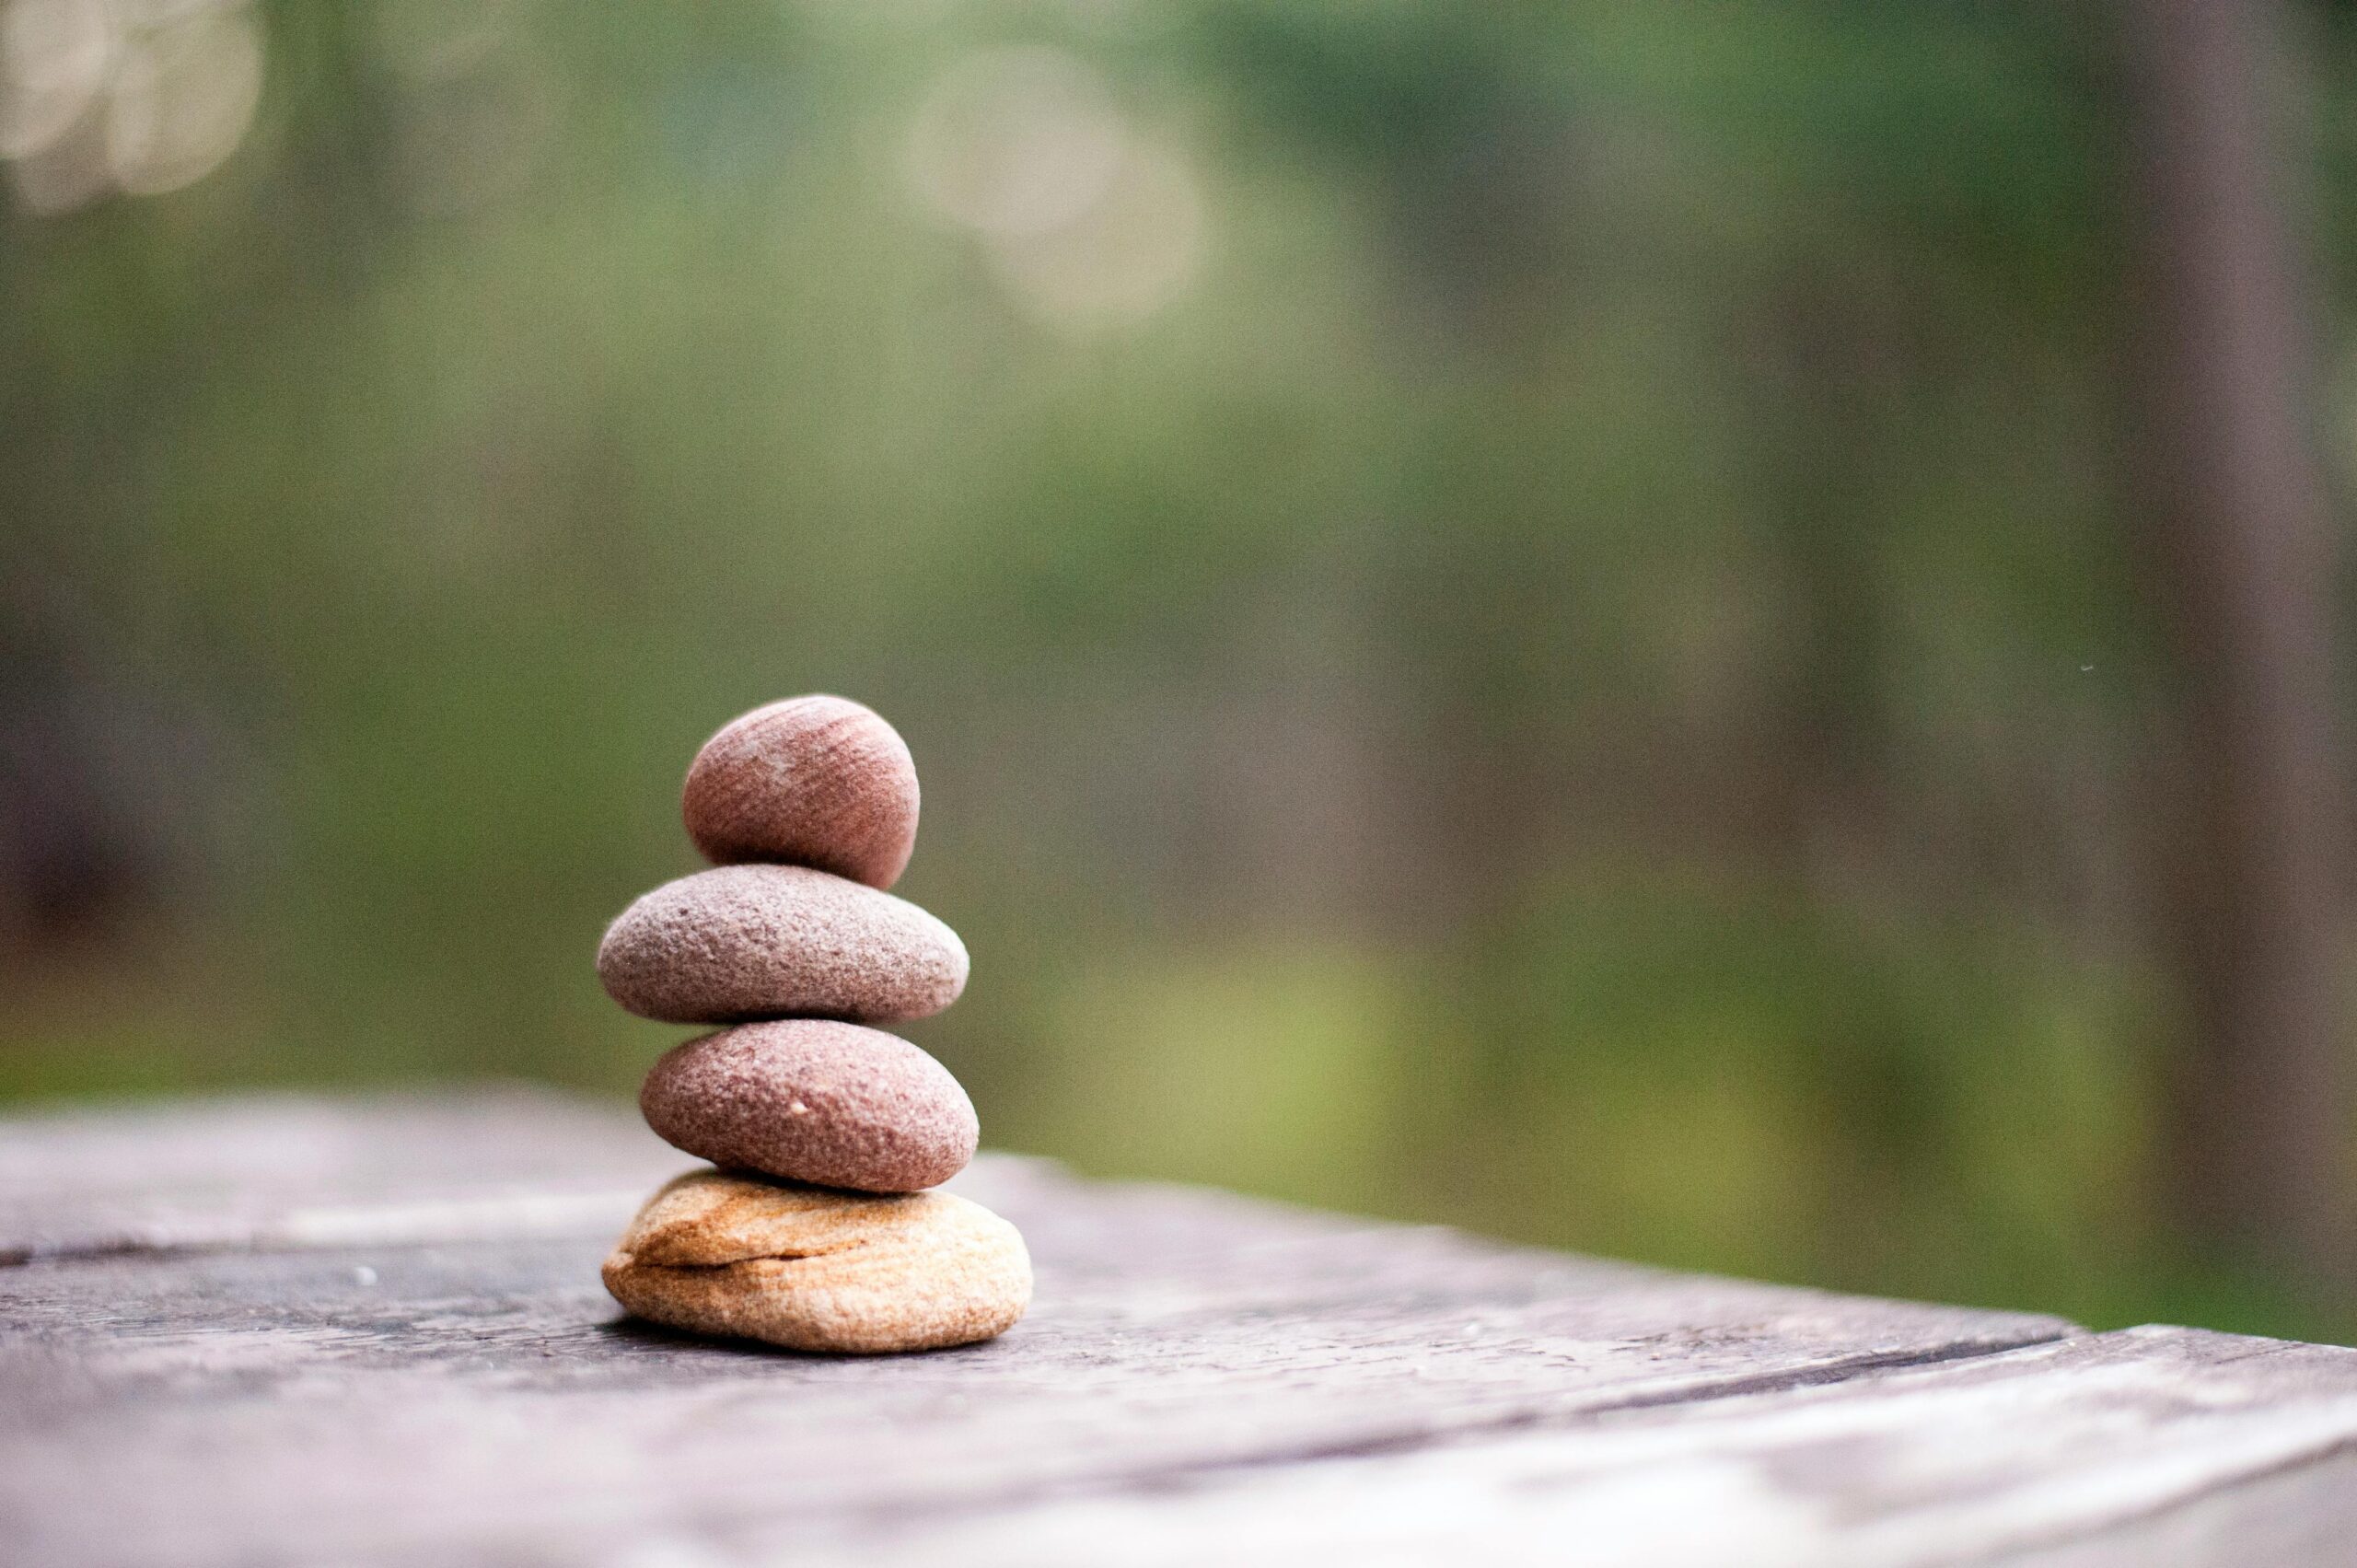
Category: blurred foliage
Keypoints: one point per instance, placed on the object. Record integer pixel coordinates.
(1532, 625)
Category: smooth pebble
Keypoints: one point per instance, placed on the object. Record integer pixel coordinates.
(810, 1100)
(745, 942)
(811, 781)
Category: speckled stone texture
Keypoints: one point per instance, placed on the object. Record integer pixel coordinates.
(745, 942)
(810, 781)
(809, 1101)
(815, 1270)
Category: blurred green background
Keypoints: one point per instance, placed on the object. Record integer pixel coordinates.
(1525, 616)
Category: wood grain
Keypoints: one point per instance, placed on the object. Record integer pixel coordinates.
(293, 1331)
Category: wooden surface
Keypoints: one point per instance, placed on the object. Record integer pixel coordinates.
(291, 1332)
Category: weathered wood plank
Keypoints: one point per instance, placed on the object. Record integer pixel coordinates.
(2099, 1449)
(290, 1170)
(362, 1334)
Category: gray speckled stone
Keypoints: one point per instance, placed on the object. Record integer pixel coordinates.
(810, 1100)
(811, 781)
(745, 942)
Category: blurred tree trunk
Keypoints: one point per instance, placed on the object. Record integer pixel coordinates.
(2238, 501)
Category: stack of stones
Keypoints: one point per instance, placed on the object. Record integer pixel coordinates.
(815, 1230)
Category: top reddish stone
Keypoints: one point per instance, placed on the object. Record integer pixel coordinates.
(815, 780)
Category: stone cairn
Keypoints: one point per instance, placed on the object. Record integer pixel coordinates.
(815, 1230)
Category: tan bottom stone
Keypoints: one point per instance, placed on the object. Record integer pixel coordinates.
(815, 1269)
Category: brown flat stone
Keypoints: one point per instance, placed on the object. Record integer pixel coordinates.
(816, 1270)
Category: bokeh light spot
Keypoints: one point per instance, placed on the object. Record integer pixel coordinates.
(1017, 141)
(1134, 251)
(55, 58)
(183, 98)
